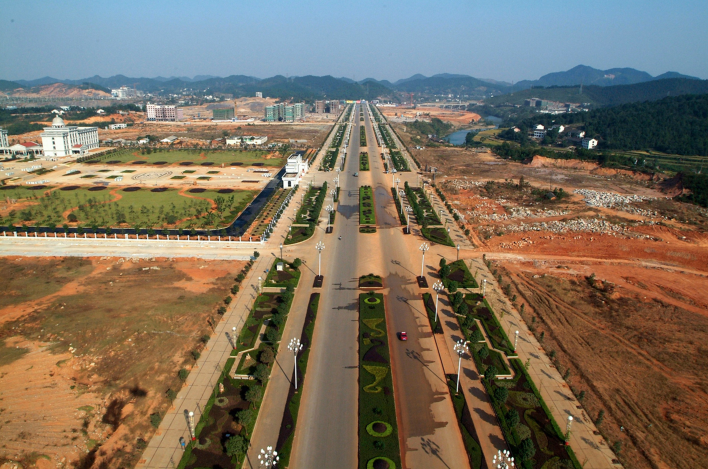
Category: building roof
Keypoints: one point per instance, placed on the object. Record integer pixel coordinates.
(78, 145)
(29, 144)
(57, 121)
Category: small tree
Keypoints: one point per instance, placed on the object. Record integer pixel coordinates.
(483, 353)
(271, 335)
(512, 418)
(234, 289)
(477, 336)
(526, 450)
(442, 262)
(221, 310)
(444, 270)
(600, 417)
(581, 396)
(463, 309)
(261, 373)
(617, 447)
(490, 373)
(256, 254)
(501, 394)
(254, 394)
(452, 286)
(196, 355)
(236, 447)
(245, 418)
(297, 263)
(155, 420)
(228, 300)
(267, 355)
(182, 374)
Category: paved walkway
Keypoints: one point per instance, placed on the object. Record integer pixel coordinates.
(589, 446)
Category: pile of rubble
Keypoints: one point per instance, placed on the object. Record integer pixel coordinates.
(464, 184)
(616, 201)
(576, 225)
(519, 212)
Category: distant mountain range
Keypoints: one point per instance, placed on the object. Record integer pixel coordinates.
(309, 87)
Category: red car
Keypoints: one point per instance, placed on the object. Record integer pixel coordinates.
(403, 336)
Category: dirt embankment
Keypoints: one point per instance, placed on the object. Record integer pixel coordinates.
(58, 90)
(593, 168)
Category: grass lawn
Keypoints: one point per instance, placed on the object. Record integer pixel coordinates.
(290, 275)
(438, 235)
(120, 207)
(197, 157)
(370, 281)
(378, 433)
(367, 213)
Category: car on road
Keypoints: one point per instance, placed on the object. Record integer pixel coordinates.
(402, 336)
(356, 174)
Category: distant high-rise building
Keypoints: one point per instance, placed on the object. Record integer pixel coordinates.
(259, 94)
(320, 107)
(299, 110)
(272, 114)
(3, 138)
(289, 115)
(334, 107)
(223, 114)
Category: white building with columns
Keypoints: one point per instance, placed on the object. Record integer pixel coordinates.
(61, 140)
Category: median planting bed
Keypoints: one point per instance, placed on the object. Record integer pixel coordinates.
(460, 273)
(370, 281)
(363, 161)
(367, 214)
(362, 136)
(429, 302)
(378, 432)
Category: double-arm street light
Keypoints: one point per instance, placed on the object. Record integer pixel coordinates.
(503, 460)
(295, 347)
(320, 247)
(438, 287)
(329, 209)
(423, 248)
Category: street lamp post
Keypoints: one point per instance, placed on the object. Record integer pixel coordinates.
(281, 251)
(516, 340)
(233, 331)
(567, 430)
(329, 209)
(320, 247)
(268, 457)
(458, 252)
(260, 285)
(503, 460)
(438, 287)
(190, 424)
(484, 288)
(295, 347)
(423, 248)
(460, 349)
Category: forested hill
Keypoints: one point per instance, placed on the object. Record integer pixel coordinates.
(607, 95)
(677, 125)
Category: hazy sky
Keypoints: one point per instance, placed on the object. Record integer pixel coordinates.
(383, 39)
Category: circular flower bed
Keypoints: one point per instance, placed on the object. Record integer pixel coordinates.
(236, 164)
(160, 163)
(372, 300)
(207, 163)
(186, 163)
(97, 188)
(158, 189)
(131, 189)
(36, 188)
(197, 190)
(67, 188)
(380, 462)
(225, 191)
(221, 401)
(379, 429)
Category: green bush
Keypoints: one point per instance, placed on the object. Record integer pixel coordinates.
(196, 355)
(171, 394)
(182, 374)
(236, 447)
(155, 420)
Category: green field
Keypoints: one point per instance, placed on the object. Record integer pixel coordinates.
(117, 207)
(195, 156)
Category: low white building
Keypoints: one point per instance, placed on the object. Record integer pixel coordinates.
(589, 143)
(246, 140)
(295, 169)
(539, 133)
(170, 139)
(61, 140)
(117, 126)
(3, 138)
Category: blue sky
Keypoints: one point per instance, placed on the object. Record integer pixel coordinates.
(511, 40)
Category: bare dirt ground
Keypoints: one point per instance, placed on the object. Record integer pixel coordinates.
(633, 341)
(633, 335)
(90, 348)
(459, 118)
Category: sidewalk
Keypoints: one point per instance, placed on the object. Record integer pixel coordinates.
(587, 444)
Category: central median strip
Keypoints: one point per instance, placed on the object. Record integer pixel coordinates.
(308, 215)
(363, 161)
(378, 429)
